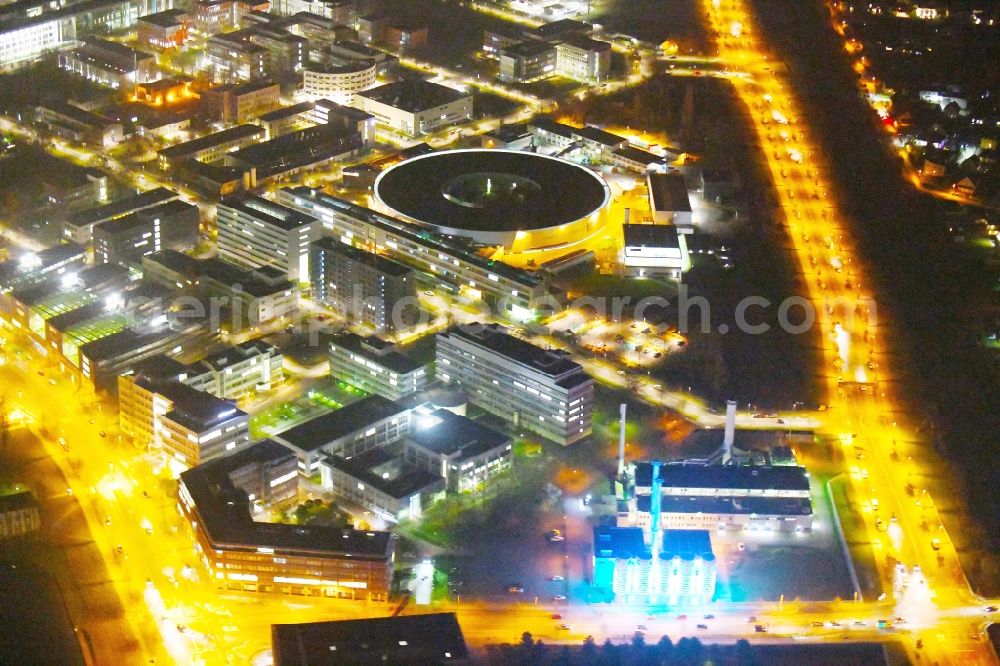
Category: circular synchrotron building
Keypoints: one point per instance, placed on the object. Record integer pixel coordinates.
(522, 201)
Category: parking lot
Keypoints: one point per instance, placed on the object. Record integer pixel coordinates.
(632, 343)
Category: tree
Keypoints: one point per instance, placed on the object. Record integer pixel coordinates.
(689, 652)
(665, 650)
(744, 653)
(610, 654)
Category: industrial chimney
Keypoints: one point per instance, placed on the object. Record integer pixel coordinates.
(621, 444)
(730, 436)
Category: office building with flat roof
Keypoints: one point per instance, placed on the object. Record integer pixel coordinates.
(125, 240)
(363, 286)
(211, 146)
(163, 31)
(415, 107)
(255, 232)
(377, 366)
(338, 81)
(382, 482)
(252, 295)
(243, 555)
(541, 390)
(669, 200)
(236, 372)
(433, 638)
(192, 426)
(109, 63)
(230, 374)
(79, 226)
(369, 423)
(512, 291)
(524, 62)
(654, 249)
(20, 514)
(720, 497)
(241, 102)
(583, 59)
(463, 452)
(268, 472)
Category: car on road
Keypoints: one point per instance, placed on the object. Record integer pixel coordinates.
(554, 536)
(556, 579)
(816, 624)
(563, 627)
(709, 616)
(703, 626)
(560, 597)
(555, 616)
(991, 609)
(516, 588)
(682, 617)
(760, 628)
(641, 627)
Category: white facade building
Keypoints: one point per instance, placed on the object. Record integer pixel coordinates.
(536, 389)
(376, 366)
(338, 83)
(256, 232)
(415, 107)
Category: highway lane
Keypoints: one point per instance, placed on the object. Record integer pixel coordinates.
(862, 407)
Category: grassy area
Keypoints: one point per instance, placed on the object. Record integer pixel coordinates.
(803, 572)
(856, 536)
(509, 502)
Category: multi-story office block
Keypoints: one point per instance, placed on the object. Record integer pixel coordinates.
(79, 227)
(304, 560)
(415, 107)
(241, 102)
(164, 31)
(513, 291)
(382, 483)
(536, 389)
(465, 453)
(527, 61)
(109, 63)
(256, 232)
(583, 59)
(376, 366)
(367, 424)
(210, 147)
(213, 16)
(237, 372)
(251, 295)
(266, 471)
(230, 374)
(338, 82)
(361, 285)
(358, 122)
(192, 426)
(125, 240)
(19, 514)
